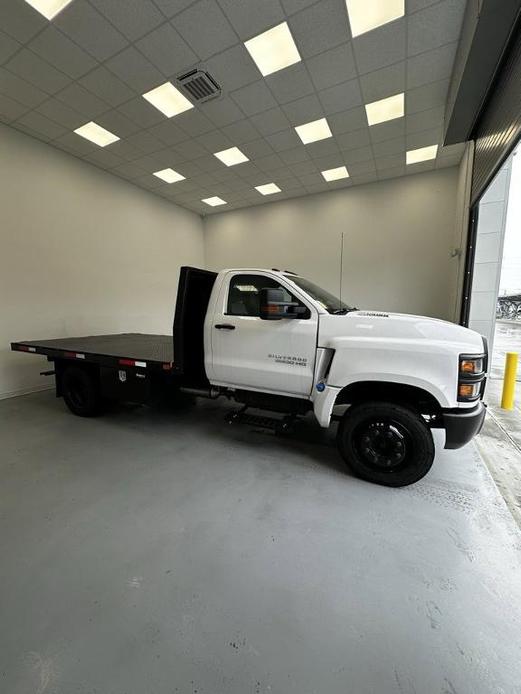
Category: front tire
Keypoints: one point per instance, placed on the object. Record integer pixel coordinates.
(81, 392)
(386, 443)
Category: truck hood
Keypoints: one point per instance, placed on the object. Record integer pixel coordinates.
(395, 328)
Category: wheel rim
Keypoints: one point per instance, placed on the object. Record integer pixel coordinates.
(383, 444)
(77, 392)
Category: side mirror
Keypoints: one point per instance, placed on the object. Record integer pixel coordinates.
(273, 305)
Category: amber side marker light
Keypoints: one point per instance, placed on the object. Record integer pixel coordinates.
(468, 390)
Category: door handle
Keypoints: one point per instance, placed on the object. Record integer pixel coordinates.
(224, 326)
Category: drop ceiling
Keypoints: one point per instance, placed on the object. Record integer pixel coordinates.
(95, 60)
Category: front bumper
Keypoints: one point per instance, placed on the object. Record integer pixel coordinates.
(461, 425)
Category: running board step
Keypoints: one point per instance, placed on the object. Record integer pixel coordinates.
(285, 424)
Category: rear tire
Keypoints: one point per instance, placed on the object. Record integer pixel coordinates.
(81, 392)
(386, 443)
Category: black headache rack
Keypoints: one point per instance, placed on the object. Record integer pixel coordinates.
(140, 350)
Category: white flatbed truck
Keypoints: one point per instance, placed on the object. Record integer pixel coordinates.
(274, 341)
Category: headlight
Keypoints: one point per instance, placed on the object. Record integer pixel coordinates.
(471, 367)
(471, 377)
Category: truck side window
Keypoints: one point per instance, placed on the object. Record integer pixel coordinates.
(243, 294)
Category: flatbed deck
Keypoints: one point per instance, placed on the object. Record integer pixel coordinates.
(142, 349)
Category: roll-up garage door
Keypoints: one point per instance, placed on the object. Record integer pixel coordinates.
(499, 126)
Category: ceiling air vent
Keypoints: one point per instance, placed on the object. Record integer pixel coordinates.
(199, 85)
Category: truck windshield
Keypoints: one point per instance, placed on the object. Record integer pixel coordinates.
(324, 298)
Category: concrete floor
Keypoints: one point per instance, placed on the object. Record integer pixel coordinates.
(151, 553)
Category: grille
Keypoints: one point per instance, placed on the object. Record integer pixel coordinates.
(199, 85)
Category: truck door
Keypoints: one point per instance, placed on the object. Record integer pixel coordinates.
(251, 353)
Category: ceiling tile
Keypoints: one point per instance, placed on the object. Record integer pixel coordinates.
(115, 122)
(303, 168)
(61, 113)
(388, 130)
(125, 150)
(189, 149)
(11, 110)
(128, 170)
(214, 141)
(133, 18)
(295, 155)
(205, 28)
(358, 168)
(271, 121)
(424, 138)
(257, 148)
(77, 145)
(435, 26)
(332, 67)
(165, 48)
(390, 161)
(420, 167)
(18, 89)
(323, 147)
(194, 122)
(286, 139)
(384, 82)
(8, 46)
(431, 66)
(290, 84)
(83, 101)
(104, 158)
(141, 112)
(312, 179)
(133, 68)
(252, 18)
(353, 139)
(222, 111)
(241, 131)
(271, 162)
(90, 30)
(233, 68)
(20, 20)
(254, 98)
(62, 53)
(168, 132)
(428, 96)
(358, 155)
(394, 146)
(391, 172)
(107, 86)
(30, 67)
(342, 97)
(380, 47)
(304, 110)
(347, 121)
(361, 180)
(172, 7)
(415, 5)
(320, 27)
(432, 118)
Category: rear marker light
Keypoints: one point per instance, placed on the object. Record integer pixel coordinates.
(132, 362)
(74, 355)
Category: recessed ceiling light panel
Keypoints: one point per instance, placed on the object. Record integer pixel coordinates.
(414, 156)
(168, 100)
(385, 109)
(95, 133)
(49, 8)
(268, 189)
(169, 175)
(273, 50)
(213, 202)
(231, 156)
(314, 131)
(365, 15)
(335, 174)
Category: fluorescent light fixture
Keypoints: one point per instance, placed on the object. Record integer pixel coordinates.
(385, 109)
(365, 15)
(314, 131)
(414, 156)
(273, 50)
(49, 8)
(169, 175)
(268, 189)
(168, 100)
(213, 202)
(95, 133)
(231, 156)
(335, 174)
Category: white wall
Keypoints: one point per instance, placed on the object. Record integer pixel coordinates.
(82, 252)
(398, 236)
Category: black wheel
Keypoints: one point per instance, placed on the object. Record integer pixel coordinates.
(386, 443)
(80, 391)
